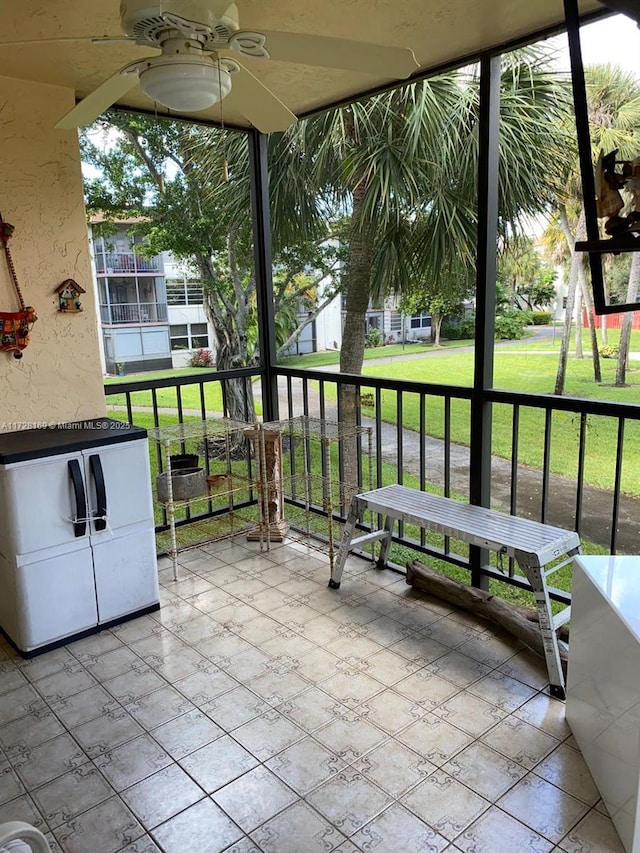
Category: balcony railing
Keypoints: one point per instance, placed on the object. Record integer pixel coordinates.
(595, 440)
(125, 262)
(133, 312)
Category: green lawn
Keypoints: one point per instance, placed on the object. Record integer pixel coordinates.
(319, 359)
(158, 374)
(534, 374)
(553, 344)
(167, 398)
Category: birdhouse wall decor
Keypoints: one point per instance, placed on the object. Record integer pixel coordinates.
(69, 296)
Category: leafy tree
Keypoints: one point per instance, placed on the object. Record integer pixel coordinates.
(617, 269)
(528, 281)
(442, 302)
(189, 188)
(398, 172)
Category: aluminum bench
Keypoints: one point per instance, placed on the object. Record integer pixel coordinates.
(532, 545)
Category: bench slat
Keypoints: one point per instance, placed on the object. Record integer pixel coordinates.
(529, 542)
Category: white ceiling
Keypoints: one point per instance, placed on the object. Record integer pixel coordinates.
(438, 31)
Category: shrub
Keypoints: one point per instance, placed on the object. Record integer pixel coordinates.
(541, 318)
(509, 326)
(374, 337)
(202, 358)
(607, 351)
(458, 329)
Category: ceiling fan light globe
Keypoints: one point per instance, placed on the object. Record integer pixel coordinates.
(185, 86)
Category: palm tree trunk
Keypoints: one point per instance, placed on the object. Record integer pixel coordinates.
(578, 318)
(438, 326)
(576, 260)
(586, 301)
(358, 289)
(593, 337)
(625, 331)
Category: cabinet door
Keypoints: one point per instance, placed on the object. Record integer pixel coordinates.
(126, 574)
(55, 597)
(119, 477)
(38, 503)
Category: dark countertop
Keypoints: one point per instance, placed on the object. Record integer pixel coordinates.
(65, 438)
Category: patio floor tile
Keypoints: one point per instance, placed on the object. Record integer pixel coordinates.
(260, 712)
(254, 798)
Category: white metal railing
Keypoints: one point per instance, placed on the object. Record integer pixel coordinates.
(128, 262)
(134, 312)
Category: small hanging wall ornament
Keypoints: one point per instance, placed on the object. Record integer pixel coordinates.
(15, 326)
(69, 296)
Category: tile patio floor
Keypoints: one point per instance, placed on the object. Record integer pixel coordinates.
(260, 711)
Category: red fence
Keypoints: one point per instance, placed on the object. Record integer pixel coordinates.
(613, 321)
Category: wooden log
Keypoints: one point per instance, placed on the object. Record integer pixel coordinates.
(519, 621)
(533, 616)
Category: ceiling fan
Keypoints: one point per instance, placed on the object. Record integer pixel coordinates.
(200, 43)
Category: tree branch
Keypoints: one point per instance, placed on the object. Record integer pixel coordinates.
(156, 175)
(311, 316)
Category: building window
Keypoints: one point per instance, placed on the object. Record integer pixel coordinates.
(420, 321)
(189, 336)
(395, 322)
(199, 336)
(184, 292)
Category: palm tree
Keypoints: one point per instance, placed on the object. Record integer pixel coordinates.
(403, 166)
(399, 171)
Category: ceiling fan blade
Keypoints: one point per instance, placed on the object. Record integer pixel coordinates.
(625, 7)
(59, 40)
(396, 62)
(257, 103)
(100, 99)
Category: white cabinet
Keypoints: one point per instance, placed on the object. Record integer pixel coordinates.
(125, 572)
(54, 597)
(603, 683)
(77, 544)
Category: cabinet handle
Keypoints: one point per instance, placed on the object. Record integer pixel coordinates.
(80, 521)
(100, 522)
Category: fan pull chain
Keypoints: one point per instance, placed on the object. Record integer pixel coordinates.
(225, 164)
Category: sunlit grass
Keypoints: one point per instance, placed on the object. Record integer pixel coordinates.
(533, 374)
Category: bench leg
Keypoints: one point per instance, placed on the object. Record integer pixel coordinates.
(345, 545)
(537, 580)
(386, 542)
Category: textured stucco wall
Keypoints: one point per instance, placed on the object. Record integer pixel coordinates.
(59, 378)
